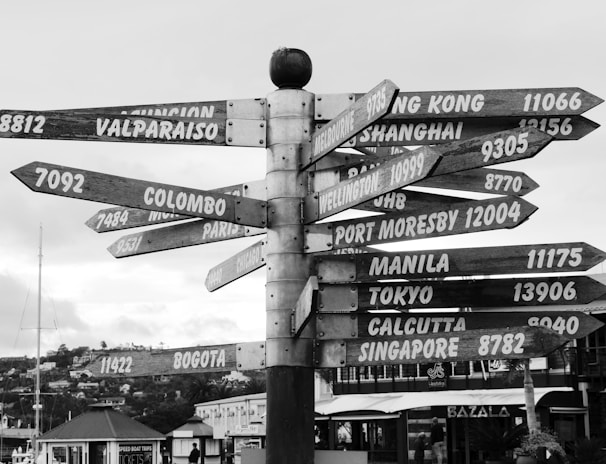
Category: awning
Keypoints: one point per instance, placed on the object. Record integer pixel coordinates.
(401, 401)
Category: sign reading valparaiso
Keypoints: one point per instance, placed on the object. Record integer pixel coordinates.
(472, 103)
(515, 259)
(368, 109)
(106, 188)
(569, 324)
(191, 360)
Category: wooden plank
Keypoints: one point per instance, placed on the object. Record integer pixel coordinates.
(123, 191)
(499, 260)
(368, 109)
(191, 360)
(568, 324)
(471, 216)
(471, 345)
(530, 102)
(130, 128)
(485, 293)
(429, 132)
(118, 218)
(182, 235)
(306, 303)
(242, 263)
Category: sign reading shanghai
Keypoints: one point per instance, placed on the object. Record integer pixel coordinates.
(191, 360)
(105, 188)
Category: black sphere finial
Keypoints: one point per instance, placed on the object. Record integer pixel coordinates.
(290, 68)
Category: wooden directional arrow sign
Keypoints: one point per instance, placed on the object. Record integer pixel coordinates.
(191, 360)
(472, 103)
(429, 132)
(306, 304)
(483, 293)
(410, 201)
(471, 345)
(462, 218)
(516, 259)
(112, 219)
(352, 120)
(105, 188)
(131, 128)
(179, 236)
(391, 175)
(242, 263)
(221, 109)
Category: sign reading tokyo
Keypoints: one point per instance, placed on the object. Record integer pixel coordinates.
(371, 107)
(477, 103)
(105, 188)
(511, 343)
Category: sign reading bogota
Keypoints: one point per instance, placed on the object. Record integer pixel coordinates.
(130, 128)
(510, 343)
(569, 324)
(105, 188)
(516, 259)
(473, 103)
(198, 359)
(482, 293)
(461, 218)
(352, 120)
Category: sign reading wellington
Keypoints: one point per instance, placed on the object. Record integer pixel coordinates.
(105, 188)
(352, 120)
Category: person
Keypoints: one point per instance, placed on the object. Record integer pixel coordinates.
(420, 446)
(437, 440)
(194, 455)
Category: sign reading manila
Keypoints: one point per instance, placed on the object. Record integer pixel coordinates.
(106, 188)
(515, 259)
(569, 324)
(475, 293)
(490, 103)
(461, 218)
(477, 344)
(191, 360)
(368, 109)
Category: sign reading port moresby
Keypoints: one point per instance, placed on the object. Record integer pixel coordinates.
(106, 188)
(515, 259)
(192, 360)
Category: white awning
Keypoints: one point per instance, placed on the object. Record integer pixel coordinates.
(401, 401)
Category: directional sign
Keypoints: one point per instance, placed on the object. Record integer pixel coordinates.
(191, 360)
(306, 303)
(485, 293)
(131, 128)
(472, 345)
(472, 103)
(112, 219)
(569, 324)
(515, 259)
(179, 236)
(429, 132)
(221, 109)
(462, 218)
(352, 120)
(105, 188)
(240, 264)
(410, 201)
(391, 175)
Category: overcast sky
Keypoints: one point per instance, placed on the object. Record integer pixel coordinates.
(74, 54)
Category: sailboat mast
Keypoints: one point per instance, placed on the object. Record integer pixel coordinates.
(38, 328)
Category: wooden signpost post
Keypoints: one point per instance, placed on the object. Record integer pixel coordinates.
(461, 134)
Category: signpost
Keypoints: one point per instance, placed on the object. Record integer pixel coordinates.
(467, 131)
(516, 259)
(482, 293)
(105, 188)
(368, 109)
(191, 360)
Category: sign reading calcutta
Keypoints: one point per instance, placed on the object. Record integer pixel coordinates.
(516, 259)
(482, 293)
(105, 188)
